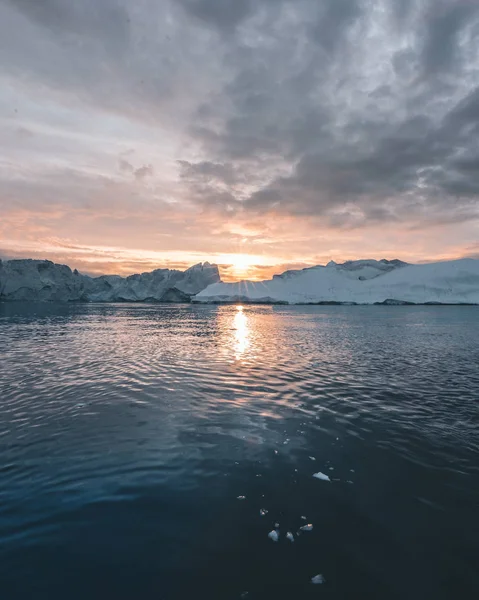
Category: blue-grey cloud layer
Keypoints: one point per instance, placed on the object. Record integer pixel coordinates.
(354, 111)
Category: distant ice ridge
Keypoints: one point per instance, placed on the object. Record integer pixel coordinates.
(43, 280)
(359, 282)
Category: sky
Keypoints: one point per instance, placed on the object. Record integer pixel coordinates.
(260, 135)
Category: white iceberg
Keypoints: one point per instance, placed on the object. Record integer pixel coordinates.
(273, 535)
(359, 282)
(321, 476)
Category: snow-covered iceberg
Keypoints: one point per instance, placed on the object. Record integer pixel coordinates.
(359, 282)
(43, 280)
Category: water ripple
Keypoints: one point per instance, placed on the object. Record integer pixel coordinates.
(176, 411)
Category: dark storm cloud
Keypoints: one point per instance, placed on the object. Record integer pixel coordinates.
(444, 23)
(88, 18)
(333, 21)
(224, 14)
(207, 171)
(358, 111)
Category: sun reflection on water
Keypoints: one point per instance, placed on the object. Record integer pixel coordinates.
(242, 332)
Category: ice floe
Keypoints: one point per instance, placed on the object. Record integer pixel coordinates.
(321, 476)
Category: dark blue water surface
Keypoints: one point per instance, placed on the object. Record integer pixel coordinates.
(128, 432)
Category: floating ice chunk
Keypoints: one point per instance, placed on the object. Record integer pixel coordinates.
(304, 518)
(241, 498)
(321, 476)
(349, 481)
(244, 595)
(263, 512)
(273, 535)
(276, 452)
(317, 579)
(290, 536)
(276, 525)
(352, 470)
(308, 527)
(312, 458)
(331, 468)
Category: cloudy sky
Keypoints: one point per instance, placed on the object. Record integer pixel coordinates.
(142, 134)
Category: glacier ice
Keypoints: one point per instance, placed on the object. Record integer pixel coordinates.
(42, 280)
(360, 282)
(273, 535)
(321, 476)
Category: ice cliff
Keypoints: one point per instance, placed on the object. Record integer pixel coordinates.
(42, 280)
(359, 282)
(353, 282)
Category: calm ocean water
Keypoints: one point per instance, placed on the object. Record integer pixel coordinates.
(128, 433)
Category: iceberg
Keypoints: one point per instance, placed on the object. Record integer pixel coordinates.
(321, 476)
(388, 282)
(42, 281)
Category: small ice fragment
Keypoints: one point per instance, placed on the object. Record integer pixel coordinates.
(331, 468)
(318, 579)
(273, 535)
(352, 470)
(244, 595)
(241, 498)
(349, 481)
(321, 476)
(276, 525)
(263, 512)
(308, 527)
(236, 463)
(259, 475)
(337, 439)
(290, 536)
(312, 458)
(276, 452)
(304, 518)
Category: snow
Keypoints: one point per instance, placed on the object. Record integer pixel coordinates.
(321, 476)
(359, 282)
(42, 280)
(273, 535)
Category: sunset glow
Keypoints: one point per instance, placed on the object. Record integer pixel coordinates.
(258, 149)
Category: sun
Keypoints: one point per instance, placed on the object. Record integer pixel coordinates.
(238, 267)
(241, 263)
